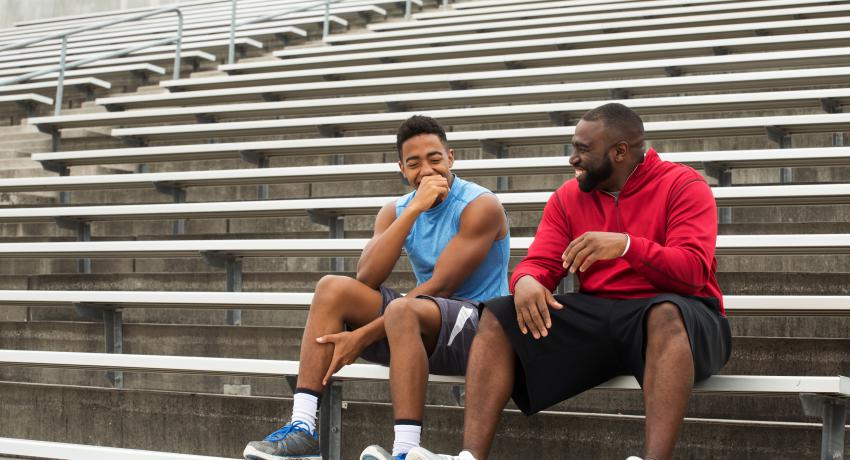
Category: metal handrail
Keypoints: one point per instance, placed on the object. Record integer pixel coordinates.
(62, 67)
(231, 51)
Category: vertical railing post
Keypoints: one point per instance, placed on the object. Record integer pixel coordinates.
(60, 86)
(327, 26)
(408, 7)
(231, 48)
(177, 63)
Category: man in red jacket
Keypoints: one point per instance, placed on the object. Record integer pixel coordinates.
(640, 234)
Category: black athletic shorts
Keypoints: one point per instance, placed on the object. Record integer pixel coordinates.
(593, 340)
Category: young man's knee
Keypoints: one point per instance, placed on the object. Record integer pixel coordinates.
(331, 291)
(489, 324)
(665, 319)
(400, 314)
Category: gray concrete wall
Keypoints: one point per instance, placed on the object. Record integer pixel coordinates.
(27, 10)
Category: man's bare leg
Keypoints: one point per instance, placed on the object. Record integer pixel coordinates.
(668, 379)
(489, 384)
(337, 300)
(405, 319)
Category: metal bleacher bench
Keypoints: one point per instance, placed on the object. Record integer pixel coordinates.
(238, 88)
(592, 32)
(825, 156)
(494, 141)
(703, 45)
(572, 70)
(559, 113)
(520, 112)
(558, 18)
(725, 196)
(825, 397)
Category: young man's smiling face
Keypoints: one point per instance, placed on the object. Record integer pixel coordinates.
(591, 156)
(425, 155)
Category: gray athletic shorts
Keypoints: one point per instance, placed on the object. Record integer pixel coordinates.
(459, 323)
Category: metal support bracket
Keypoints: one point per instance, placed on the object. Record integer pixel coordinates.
(458, 85)
(179, 195)
(233, 278)
(205, 118)
(499, 150)
(830, 105)
(113, 332)
(330, 422)
(329, 131)
(262, 161)
(55, 166)
(833, 413)
(133, 141)
(459, 393)
(83, 230)
(336, 230)
(27, 107)
(779, 136)
(115, 107)
(724, 179)
(559, 118)
(141, 76)
(270, 97)
(386, 60)
(330, 77)
(619, 93)
(563, 46)
(513, 65)
(720, 50)
(87, 90)
(673, 71)
(396, 107)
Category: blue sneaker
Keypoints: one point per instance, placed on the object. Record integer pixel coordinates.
(293, 441)
(375, 452)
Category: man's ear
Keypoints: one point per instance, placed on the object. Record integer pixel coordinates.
(621, 151)
(450, 153)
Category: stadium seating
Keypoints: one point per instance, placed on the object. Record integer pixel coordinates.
(146, 218)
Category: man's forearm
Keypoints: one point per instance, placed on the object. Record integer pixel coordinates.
(382, 252)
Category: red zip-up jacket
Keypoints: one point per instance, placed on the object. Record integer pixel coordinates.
(669, 213)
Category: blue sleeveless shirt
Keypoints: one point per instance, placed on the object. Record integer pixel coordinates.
(433, 230)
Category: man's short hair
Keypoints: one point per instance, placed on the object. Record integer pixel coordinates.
(622, 121)
(416, 125)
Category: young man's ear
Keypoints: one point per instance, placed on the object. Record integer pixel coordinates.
(622, 150)
(450, 153)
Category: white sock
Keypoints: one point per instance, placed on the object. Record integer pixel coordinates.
(465, 455)
(406, 438)
(304, 409)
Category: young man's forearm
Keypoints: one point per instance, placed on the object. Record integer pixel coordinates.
(382, 252)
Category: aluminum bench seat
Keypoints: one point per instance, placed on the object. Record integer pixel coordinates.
(187, 57)
(735, 305)
(699, 46)
(458, 139)
(768, 195)
(595, 64)
(804, 99)
(25, 100)
(362, 78)
(559, 19)
(143, 68)
(809, 157)
(594, 34)
(742, 245)
(551, 113)
(48, 88)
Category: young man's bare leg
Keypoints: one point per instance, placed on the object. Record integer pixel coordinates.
(405, 320)
(489, 383)
(668, 379)
(337, 300)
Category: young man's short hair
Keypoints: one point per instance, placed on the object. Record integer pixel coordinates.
(416, 125)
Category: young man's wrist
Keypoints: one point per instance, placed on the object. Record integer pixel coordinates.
(628, 244)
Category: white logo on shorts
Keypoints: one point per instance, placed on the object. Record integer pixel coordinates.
(462, 316)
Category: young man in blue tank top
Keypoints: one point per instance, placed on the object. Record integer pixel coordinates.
(456, 236)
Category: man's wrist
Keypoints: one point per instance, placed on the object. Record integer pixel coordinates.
(628, 244)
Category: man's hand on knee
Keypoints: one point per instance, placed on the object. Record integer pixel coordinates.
(532, 302)
(347, 348)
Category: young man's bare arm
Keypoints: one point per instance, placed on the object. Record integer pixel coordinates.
(383, 250)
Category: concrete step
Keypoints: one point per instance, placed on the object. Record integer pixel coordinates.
(221, 425)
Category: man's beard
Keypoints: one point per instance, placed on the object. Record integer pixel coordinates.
(594, 176)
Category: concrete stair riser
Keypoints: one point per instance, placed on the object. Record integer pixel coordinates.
(221, 425)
